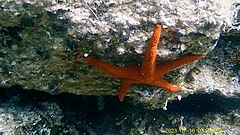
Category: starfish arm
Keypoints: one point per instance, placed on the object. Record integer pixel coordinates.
(149, 62)
(165, 67)
(160, 82)
(125, 72)
(126, 83)
(104, 66)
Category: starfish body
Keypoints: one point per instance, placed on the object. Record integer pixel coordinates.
(149, 73)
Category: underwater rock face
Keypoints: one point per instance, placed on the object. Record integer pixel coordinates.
(40, 40)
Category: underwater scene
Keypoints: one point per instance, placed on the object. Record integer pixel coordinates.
(119, 67)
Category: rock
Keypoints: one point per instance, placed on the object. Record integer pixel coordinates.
(44, 118)
(34, 112)
(41, 39)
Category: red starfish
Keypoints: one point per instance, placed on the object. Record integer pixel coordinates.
(149, 73)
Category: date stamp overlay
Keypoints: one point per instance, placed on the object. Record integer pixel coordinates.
(193, 130)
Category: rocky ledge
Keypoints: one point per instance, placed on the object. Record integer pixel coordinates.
(42, 43)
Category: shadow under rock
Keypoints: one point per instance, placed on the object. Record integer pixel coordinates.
(196, 103)
(205, 103)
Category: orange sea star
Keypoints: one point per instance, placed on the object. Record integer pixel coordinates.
(149, 73)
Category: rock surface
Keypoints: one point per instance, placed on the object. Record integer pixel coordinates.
(41, 39)
(20, 117)
(34, 112)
